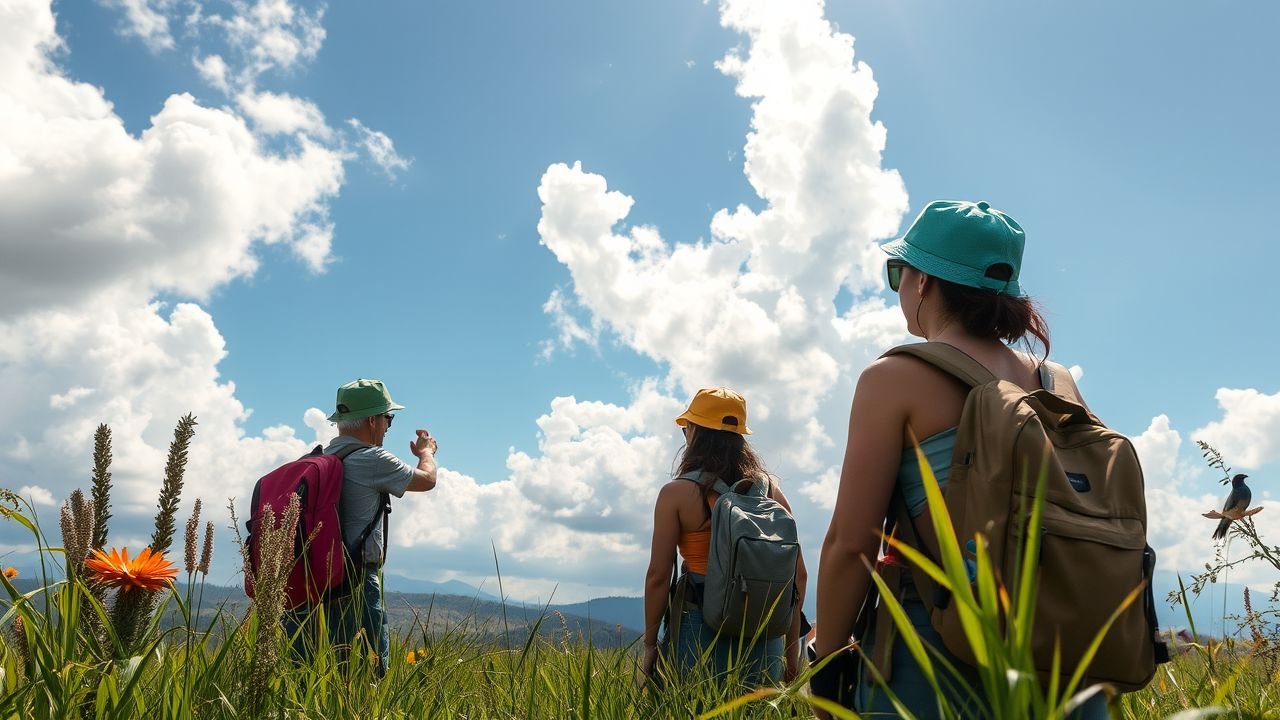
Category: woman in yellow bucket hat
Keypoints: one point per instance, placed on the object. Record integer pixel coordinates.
(716, 448)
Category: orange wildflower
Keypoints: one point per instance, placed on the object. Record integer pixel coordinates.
(148, 571)
(411, 658)
(10, 573)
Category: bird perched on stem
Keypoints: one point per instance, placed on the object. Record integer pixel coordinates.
(1237, 503)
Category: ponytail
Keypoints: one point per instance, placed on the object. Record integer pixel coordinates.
(987, 314)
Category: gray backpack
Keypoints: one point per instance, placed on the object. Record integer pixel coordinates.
(751, 565)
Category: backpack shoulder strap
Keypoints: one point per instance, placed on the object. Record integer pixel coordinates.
(722, 488)
(347, 450)
(949, 359)
(384, 508)
(758, 487)
(1057, 379)
(705, 507)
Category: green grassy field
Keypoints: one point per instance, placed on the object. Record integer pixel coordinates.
(108, 637)
(461, 674)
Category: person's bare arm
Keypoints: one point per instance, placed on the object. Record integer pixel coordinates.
(662, 557)
(872, 453)
(424, 476)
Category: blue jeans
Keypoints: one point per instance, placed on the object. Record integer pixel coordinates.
(361, 609)
(909, 683)
(756, 660)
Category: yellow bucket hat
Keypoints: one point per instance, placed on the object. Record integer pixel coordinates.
(718, 409)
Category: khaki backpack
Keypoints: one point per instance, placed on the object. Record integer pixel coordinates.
(1093, 549)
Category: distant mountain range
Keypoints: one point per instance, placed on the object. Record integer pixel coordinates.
(611, 620)
(625, 611)
(400, 583)
(441, 609)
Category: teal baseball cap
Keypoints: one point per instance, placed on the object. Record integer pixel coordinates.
(361, 399)
(960, 241)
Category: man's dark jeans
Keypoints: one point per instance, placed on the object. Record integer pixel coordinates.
(361, 609)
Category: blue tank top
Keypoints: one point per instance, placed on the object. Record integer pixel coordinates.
(937, 450)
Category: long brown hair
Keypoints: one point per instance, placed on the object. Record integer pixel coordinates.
(720, 454)
(989, 315)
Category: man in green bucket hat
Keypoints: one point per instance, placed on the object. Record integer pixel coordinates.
(363, 412)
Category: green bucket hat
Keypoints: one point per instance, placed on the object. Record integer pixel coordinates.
(361, 399)
(958, 241)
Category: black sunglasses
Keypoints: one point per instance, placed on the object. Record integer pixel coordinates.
(389, 417)
(893, 268)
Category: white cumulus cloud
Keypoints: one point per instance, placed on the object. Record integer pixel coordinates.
(91, 208)
(37, 495)
(214, 71)
(1249, 430)
(147, 20)
(69, 398)
(380, 148)
(576, 515)
(280, 113)
(1179, 491)
(752, 307)
(269, 35)
(134, 358)
(97, 221)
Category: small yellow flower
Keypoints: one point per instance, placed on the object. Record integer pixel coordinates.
(421, 653)
(10, 573)
(411, 658)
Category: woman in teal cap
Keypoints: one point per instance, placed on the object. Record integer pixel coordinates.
(956, 274)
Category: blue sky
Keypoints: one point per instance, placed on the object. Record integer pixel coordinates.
(357, 190)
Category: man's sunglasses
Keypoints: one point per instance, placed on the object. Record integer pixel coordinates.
(389, 417)
(893, 268)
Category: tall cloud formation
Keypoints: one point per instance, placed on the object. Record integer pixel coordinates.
(96, 222)
(753, 307)
(92, 209)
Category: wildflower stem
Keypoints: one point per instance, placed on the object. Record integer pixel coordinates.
(171, 491)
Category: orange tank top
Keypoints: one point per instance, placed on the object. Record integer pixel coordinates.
(695, 546)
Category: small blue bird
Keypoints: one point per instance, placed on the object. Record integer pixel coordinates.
(1237, 503)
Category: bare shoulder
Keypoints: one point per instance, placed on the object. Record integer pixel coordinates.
(898, 377)
(886, 372)
(677, 490)
(1032, 361)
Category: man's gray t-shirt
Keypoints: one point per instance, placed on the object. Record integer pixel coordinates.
(366, 474)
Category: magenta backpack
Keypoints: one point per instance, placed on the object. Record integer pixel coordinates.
(319, 569)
